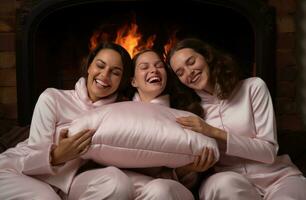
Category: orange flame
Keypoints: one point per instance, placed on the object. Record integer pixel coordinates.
(128, 37)
(172, 40)
(96, 38)
(131, 39)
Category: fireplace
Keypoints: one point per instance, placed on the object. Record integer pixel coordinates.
(53, 36)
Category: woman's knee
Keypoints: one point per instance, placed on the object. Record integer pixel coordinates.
(292, 187)
(226, 179)
(104, 183)
(19, 186)
(227, 184)
(166, 189)
(118, 182)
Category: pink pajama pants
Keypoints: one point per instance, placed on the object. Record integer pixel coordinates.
(233, 186)
(15, 186)
(96, 184)
(148, 188)
(115, 184)
(102, 183)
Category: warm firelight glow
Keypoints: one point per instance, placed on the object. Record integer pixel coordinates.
(130, 38)
(96, 37)
(169, 45)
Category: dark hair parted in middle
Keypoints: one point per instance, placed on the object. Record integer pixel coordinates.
(132, 90)
(126, 63)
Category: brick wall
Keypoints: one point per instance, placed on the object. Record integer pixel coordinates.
(8, 95)
(286, 106)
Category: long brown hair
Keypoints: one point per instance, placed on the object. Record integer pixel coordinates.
(224, 74)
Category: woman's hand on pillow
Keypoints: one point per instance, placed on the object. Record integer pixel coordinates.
(201, 163)
(197, 124)
(69, 148)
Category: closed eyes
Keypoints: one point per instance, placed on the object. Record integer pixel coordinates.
(190, 60)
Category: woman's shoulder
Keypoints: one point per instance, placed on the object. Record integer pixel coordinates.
(254, 82)
(54, 93)
(255, 85)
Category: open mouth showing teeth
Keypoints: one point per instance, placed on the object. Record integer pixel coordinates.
(102, 83)
(195, 78)
(154, 80)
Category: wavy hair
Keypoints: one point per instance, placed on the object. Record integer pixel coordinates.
(224, 74)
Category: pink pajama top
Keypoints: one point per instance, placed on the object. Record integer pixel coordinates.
(54, 110)
(248, 118)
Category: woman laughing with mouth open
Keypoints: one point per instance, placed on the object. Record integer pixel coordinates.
(150, 85)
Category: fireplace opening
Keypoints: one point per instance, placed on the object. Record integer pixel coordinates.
(55, 37)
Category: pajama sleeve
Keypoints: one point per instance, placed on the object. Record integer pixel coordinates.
(263, 146)
(41, 139)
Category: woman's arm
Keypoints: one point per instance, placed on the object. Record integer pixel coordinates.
(69, 148)
(263, 147)
(42, 150)
(42, 132)
(197, 124)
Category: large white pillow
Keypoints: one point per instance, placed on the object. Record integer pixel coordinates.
(135, 134)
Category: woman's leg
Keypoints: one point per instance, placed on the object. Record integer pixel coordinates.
(289, 188)
(228, 186)
(103, 183)
(148, 188)
(165, 189)
(19, 186)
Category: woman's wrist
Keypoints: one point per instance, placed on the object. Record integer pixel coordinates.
(54, 158)
(220, 134)
(217, 133)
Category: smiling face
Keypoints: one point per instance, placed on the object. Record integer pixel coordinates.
(150, 76)
(104, 74)
(191, 68)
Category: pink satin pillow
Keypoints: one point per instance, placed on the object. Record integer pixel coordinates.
(134, 134)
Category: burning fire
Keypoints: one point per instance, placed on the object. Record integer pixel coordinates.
(169, 45)
(131, 39)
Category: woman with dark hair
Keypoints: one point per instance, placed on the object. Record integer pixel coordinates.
(151, 84)
(45, 166)
(239, 115)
